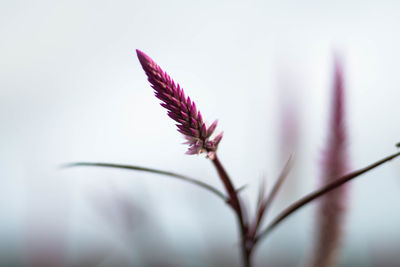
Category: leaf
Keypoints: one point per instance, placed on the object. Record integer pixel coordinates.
(203, 185)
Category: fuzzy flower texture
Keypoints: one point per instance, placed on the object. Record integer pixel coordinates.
(181, 109)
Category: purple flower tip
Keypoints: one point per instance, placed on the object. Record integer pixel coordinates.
(181, 109)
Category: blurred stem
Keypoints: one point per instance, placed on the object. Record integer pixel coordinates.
(236, 204)
(316, 194)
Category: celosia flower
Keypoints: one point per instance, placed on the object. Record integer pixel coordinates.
(333, 205)
(181, 109)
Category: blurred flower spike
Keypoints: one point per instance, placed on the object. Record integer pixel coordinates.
(181, 109)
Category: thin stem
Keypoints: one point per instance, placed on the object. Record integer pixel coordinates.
(206, 186)
(314, 195)
(237, 207)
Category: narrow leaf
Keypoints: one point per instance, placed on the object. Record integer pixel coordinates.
(206, 186)
(265, 203)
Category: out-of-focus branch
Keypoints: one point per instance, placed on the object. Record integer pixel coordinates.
(316, 194)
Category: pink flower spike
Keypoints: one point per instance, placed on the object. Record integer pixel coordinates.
(332, 206)
(180, 109)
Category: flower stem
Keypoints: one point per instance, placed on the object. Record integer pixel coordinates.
(236, 204)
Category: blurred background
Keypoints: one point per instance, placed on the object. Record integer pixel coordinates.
(72, 89)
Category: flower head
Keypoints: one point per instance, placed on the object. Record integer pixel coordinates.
(181, 109)
(333, 205)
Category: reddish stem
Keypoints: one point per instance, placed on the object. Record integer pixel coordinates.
(236, 204)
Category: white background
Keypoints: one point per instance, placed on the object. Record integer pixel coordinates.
(72, 89)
